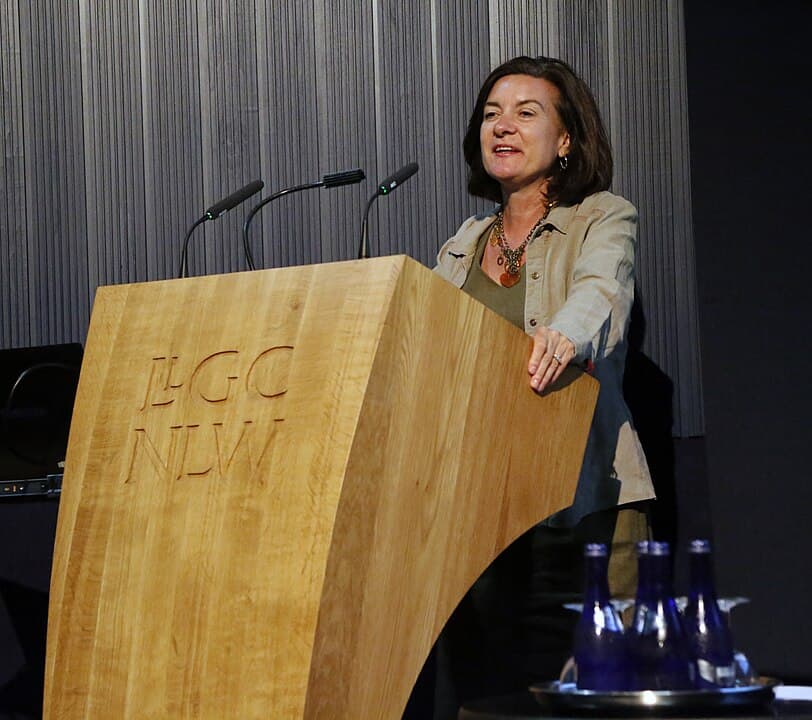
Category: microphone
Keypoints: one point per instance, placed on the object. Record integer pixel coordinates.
(397, 178)
(385, 187)
(214, 212)
(346, 177)
(226, 204)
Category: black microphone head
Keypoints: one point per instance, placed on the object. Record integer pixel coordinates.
(234, 199)
(397, 178)
(348, 177)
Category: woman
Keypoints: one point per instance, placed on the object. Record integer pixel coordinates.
(557, 259)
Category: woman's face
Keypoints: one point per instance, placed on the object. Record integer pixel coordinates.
(522, 136)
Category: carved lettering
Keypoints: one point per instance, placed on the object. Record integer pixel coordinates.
(192, 461)
(214, 379)
(242, 450)
(161, 386)
(211, 374)
(143, 447)
(197, 451)
(268, 373)
(217, 450)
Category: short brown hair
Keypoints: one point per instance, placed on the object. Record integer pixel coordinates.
(589, 162)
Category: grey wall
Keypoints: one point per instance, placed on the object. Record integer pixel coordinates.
(121, 122)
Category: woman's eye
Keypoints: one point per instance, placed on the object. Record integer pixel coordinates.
(490, 115)
(526, 113)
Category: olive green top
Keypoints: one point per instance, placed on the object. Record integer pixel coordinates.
(507, 302)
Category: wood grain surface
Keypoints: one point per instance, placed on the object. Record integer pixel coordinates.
(279, 485)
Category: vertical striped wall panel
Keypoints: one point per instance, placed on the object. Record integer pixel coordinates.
(113, 142)
(55, 237)
(344, 98)
(650, 139)
(122, 122)
(14, 316)
(172, 131)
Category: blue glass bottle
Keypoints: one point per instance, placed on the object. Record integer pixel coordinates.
(708, 632)
(658, 645)
(599, 646)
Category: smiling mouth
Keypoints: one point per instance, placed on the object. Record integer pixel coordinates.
(504, 149)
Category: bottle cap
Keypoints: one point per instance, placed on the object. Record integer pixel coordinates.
(595, 550)
(699, 546)
(659, 548)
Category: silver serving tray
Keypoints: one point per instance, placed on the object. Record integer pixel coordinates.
(567, 697)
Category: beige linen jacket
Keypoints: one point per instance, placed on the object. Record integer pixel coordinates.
(580, 281)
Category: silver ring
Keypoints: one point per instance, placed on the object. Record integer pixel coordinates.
(557, 358)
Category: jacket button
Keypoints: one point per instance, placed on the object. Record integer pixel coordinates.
(535, 276)
(532, 322)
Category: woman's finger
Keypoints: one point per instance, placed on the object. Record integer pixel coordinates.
(540, 343)
(557, 356)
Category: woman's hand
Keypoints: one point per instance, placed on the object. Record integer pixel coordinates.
(551, 353)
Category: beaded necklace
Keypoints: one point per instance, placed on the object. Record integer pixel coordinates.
(510, 257)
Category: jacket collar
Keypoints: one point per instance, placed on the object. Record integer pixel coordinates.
(561, 216)
(559, 219)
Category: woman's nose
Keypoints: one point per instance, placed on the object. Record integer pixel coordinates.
(504, 125)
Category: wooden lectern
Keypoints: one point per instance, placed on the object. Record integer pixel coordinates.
(279, 484)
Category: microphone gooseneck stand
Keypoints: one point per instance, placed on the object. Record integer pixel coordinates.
(330, 180)
(384, 188)
(214, 212)
(184, 270)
